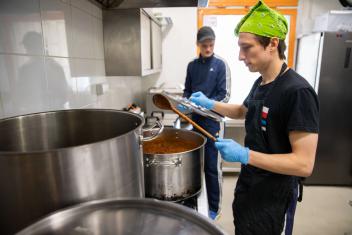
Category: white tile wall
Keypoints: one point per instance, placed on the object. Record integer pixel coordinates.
(20, 27)
(119, 92)
(23, 85)
(62, 86)
(83, 5)
(89, 8)
(82, 26)
(87, 30)
(98, 46)
(84, 71)
(57, 27)
(97, 12)
(51, 55)
(87, 67)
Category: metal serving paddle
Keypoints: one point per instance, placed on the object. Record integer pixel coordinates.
(162, 102)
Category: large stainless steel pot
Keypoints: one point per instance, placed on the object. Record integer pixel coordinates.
(172, 164)
(125, 217)
(56, 159)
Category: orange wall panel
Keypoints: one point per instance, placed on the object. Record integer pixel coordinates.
(272, 3)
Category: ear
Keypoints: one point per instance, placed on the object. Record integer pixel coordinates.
(274, 43)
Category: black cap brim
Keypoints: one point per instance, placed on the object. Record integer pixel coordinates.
(206, 38)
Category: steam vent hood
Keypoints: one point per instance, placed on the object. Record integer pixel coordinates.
(124, 4)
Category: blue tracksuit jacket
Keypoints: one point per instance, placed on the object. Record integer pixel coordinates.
(210, 76)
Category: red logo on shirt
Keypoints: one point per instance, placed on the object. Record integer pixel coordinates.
(265, 112)
(263, 121)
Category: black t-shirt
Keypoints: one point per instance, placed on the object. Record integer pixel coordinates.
(293, 106)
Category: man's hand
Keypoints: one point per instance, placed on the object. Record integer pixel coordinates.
(231, 151)
(200, 99)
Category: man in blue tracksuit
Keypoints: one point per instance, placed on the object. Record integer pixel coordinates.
(209, 74)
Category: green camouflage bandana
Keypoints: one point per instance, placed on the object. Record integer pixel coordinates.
(264, 21)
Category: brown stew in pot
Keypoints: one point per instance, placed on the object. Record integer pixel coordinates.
(168, 146)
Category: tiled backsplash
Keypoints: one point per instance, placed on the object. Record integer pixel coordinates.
(118, 92)
(52, 57)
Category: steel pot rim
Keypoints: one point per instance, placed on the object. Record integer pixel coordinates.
(172, 208)
(8, 153)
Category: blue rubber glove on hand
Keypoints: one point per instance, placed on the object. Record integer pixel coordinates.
(200, 99)
(182, 108)
(231, 151)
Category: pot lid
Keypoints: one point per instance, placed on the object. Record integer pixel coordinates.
(193, 107)
(125, 217)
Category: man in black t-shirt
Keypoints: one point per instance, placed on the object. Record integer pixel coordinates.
(282, 122)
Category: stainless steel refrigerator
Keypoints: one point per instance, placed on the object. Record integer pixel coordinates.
(324, 59)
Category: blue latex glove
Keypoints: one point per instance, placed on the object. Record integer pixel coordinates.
(182, 108)
(231, 151)
(200, 99)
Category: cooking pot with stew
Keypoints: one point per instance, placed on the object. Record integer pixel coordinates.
(172, 164)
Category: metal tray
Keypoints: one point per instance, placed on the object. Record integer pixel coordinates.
(193, 107)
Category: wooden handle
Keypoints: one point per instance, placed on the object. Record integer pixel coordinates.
(193, 123)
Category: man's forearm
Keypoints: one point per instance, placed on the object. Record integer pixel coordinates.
(234, 111)
(287, 164)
